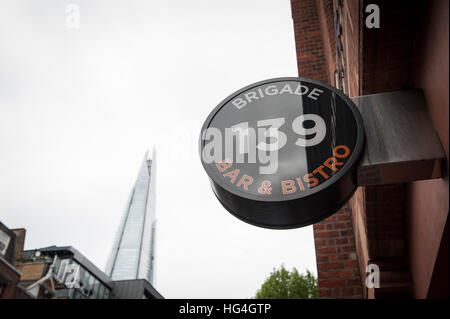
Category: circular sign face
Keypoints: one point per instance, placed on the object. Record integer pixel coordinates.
(282, 153)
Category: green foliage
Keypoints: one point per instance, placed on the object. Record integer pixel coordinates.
(284, 284)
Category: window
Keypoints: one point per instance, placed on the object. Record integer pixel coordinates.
(91, 286)
(95, 288)
(107, 294)
(85, 286)
(101, 291)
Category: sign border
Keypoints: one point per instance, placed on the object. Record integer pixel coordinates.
(223, 190)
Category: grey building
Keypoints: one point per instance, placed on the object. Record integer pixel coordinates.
(135, 289)
(132, 256)
(65, 273)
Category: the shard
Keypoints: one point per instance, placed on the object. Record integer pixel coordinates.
(132, 256)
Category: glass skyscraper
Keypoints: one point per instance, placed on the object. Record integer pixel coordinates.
(132, 256)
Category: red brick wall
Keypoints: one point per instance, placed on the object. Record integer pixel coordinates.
(383, 60)
(351, 21)
(337, 265)
(387, 51)
(9, 272)
(326, 18)
(311, 59)
(386, 218)
(410, 50)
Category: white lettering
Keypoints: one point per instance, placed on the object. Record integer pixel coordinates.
(298, 90)
(251, 96)
(286, 88)
(315, 93)
(239, 103)
(273, 90)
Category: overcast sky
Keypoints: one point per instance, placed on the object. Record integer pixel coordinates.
(80, 106)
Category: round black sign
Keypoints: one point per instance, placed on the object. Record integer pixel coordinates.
(282, 153)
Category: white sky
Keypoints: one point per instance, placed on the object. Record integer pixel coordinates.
(79, 108)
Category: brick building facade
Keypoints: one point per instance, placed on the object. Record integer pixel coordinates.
(11, 249)
(402, 228)
(58, 273)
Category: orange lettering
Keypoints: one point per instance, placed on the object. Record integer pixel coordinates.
(331, 163)
(321, 172)
(300, 184)
(224, 165)
(232, 175)
(288, 187)
(311, 180)
(341, 147)
(245, 180)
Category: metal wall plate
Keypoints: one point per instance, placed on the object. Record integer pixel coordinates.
(401, 142)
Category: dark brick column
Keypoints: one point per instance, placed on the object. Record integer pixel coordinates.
(311, 59)
(337, 262)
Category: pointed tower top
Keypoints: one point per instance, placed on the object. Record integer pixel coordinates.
(146, 154)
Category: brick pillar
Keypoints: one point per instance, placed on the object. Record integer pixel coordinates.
(337, 262)
(311, 59)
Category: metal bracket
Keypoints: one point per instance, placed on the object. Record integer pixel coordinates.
(401, 142)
